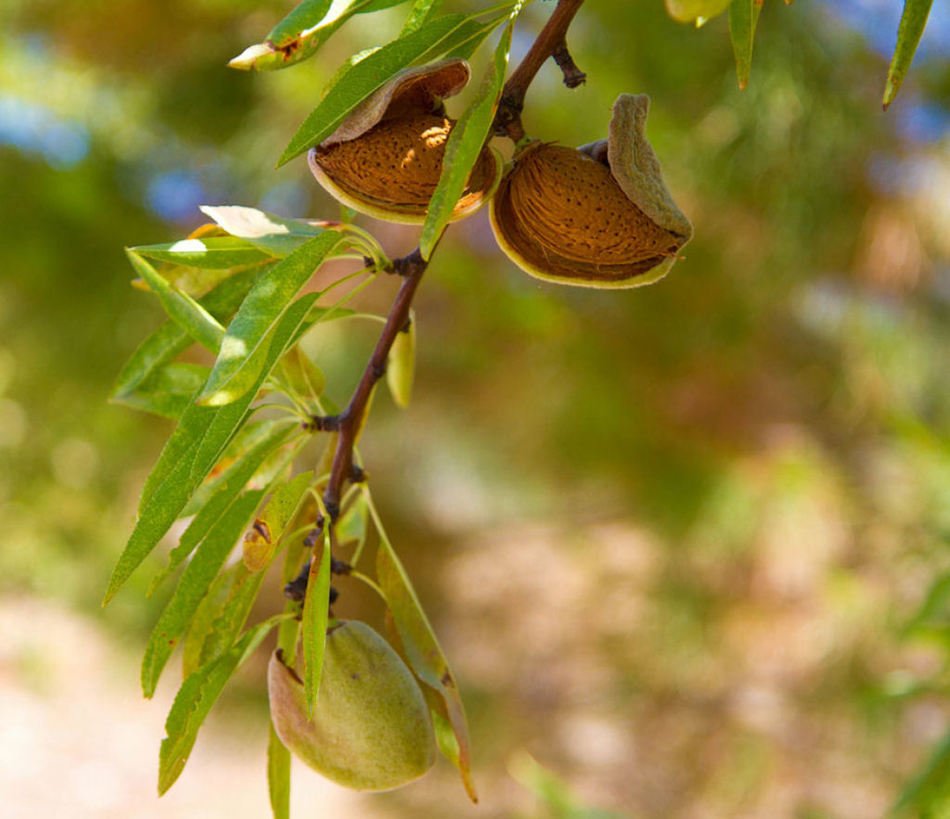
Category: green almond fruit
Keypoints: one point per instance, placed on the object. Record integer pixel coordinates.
(371, 729)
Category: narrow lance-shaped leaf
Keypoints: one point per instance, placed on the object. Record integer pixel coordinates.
(272, 234)
(291, 46)
(278, 776)
(422, 649)
(315, 618)
(928, 793)
(400, 367)
(189, 455)
(170, 340)
(743, 17)
(304, 16)
(909, 32)
(263, 541)
(212, 252)
(421, 11)
(220, 617)
(468, 37)
(197, 697)
(465, 144)
(168, 391)
(244, 347)
(226, 492)
(195, 581)
(363, 78)
(181, 308)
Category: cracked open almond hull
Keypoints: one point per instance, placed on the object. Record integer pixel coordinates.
(594, 217)
(385, 158)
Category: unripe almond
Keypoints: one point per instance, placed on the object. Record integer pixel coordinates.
(599, 216)
(371, 728)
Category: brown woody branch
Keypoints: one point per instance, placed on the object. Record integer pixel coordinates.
(349, 422)
(550, 42)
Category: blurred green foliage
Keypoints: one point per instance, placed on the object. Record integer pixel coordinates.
(774, 416)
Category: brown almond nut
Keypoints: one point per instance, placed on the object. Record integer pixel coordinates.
(599, 216)
(385, 159)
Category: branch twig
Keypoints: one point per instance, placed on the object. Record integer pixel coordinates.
(349, 422)
(550, 40)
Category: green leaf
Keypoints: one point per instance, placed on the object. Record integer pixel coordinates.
(315, 618)
(278, 776)
(209, 253)
(304, 16)
(363, 78)
(245, 345)
(197, 697)
(261, 545)
(301, 375)
(909, 32)
(190, 454)
(420, 12)
(181, 308)
(400, 367)
(195, 581)
(698, 11)
(268, 56)
(465, 144)
(743, 17)
(274, 235)
(169, 340)
(232, 483)
(220, 617)
(928, 793)
(470, 35)
(168, 391)
(422, 649)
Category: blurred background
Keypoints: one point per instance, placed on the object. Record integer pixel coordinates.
(687, 546)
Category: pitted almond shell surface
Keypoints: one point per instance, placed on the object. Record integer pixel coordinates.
(600, 216)
(371, 728)
(392, 170)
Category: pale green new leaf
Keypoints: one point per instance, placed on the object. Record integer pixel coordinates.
(363, 78)
(195, 581)
(190, 454)
(169, 340)
(211, 252)
(259, 549)
(181, 308)
(245, 345)
(197, 697)
(167, 392)
(304, 16)
(401, 364)
(465, 144)
(278, 776)
(315, 618)
(743, 17)
(274, 235)
(909, 32)
(422, 649)
(695, 11)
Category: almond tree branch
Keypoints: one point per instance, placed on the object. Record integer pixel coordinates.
(349, 422)
(549, 42)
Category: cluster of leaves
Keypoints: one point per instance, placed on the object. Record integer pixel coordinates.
(744, 16)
